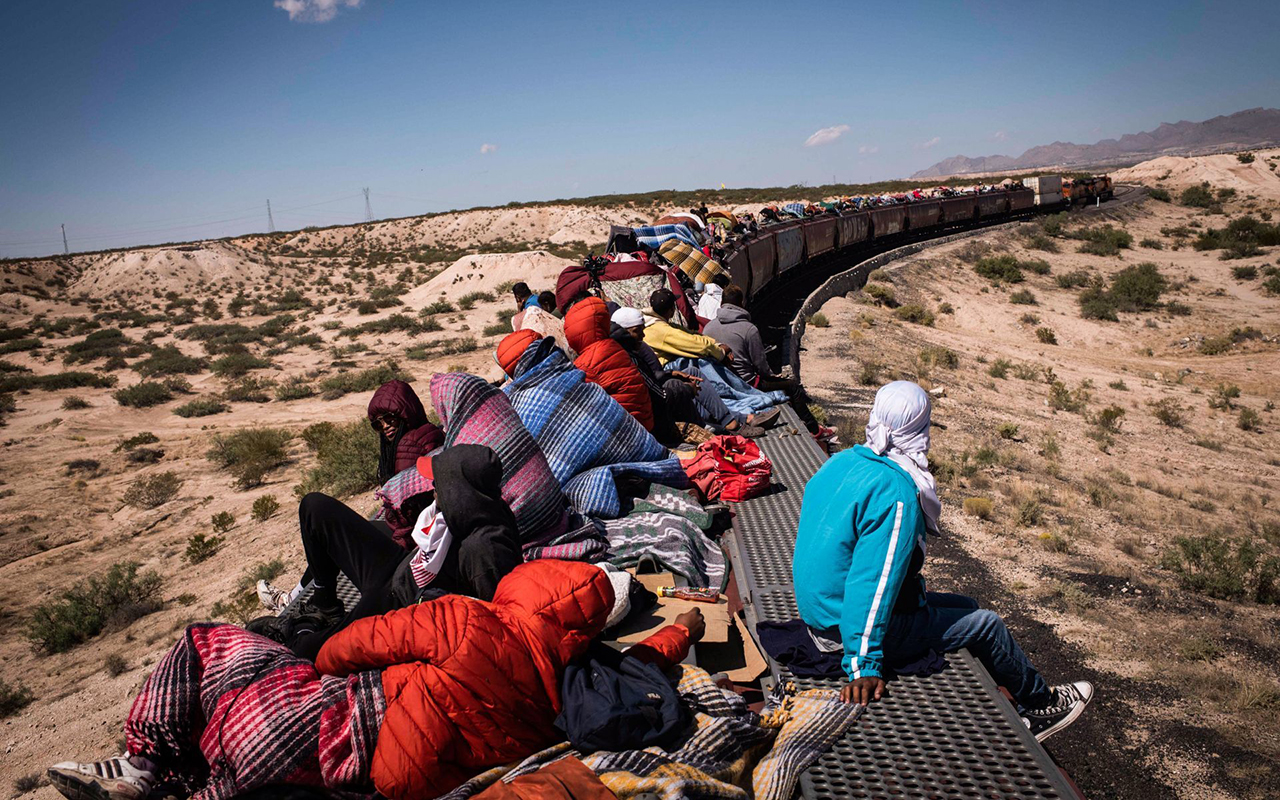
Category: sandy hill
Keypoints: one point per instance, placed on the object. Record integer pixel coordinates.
(1257, 178)
(182, 268)
(487, 272)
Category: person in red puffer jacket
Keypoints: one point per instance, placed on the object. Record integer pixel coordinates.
(398, 416)
(604, 361)
(411, 703)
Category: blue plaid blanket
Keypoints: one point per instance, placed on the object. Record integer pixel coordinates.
(655, 235)
(589, 440)
(737, 394)
(794, 209)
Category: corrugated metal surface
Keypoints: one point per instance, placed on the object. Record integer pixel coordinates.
(885, 221)
(790, 245)
(819, 235)
(737, 264)
(959, 208)
(852, 228)
(763, 260)
(1021, 200)
(922, 215)
(1051, 199)
(1044, 184)
(991, 204)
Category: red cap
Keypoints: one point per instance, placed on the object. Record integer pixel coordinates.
(424, 468)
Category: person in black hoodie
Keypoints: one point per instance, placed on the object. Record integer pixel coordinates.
(465, 544)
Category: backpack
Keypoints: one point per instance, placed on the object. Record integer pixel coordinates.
(741, 470)
(615, 702)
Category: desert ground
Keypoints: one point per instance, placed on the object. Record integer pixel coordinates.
(256, 356)
(1076, 468)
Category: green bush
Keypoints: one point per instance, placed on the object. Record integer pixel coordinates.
(74, 403)
(153, 491)
(1151, 244)
(1162, 195)
(1168, 412)
(251, 453)
(914, 312)
(980, 507)
(819, 320)
(117, 598)
(1245, 158)
(296, 388)
(1023, 298)
(468, 300)
(201, 548)
(496, 329)
(1073, 280)
(1001, 268)
(881, 294)
(265, 507)
(248, 390)
(104, 343)
(1046, 336)
(1109, 419)
(1063, 399)
(13, 698)
(1209, 564)
(235, 365)
(202, 407)
(1224, 397)
(1196, 196)
(137, 440)
(346, 458)
(343, 383)
(1105, 241)
(1039, 241)
(58, 380)
(1249, 420)
(169, 360)
(223, 521)
(438, 307)
(1138, 288)
(936, 356)
(143, 395)
(1007, 430)
(999, 368)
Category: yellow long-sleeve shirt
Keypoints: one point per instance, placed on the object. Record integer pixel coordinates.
(670, 342)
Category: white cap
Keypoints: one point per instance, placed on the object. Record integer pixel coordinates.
(628, 318)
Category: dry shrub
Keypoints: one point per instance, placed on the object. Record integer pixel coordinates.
(153, 491)
(980, 507)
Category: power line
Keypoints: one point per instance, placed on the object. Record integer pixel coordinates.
(368, 209)
(271, 223)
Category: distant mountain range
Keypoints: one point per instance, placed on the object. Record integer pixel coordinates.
(1256, 127)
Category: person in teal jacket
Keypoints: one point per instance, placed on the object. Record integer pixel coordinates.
(864, 523)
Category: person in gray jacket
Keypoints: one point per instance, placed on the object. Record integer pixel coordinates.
(734, 329)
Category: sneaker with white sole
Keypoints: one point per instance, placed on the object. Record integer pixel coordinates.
(273, 599)
(113, 779)
(1069, 700)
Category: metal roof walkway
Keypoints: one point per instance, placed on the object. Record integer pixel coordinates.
(948, 735)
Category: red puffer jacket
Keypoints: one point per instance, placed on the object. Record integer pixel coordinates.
(605, 362)
(471, 685)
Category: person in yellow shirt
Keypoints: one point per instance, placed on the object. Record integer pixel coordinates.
(671, 341)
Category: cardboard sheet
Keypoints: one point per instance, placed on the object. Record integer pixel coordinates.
(668, 608)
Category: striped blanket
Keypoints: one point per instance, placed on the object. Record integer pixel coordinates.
(669, 524)
(231, 698)
(737, 394)
(655, 235)
(588, 439)
(691, 260)
(729, 748)
(474, 412)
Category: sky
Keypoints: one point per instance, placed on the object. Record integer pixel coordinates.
(169, 120)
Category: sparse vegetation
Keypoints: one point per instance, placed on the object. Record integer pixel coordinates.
(1168, 412)
(336, 386)
(1197, 196)
(143, 395)
(115, 665)
(1249, 420)
(980, 507)
(74, 403)
(201, 407)
(1106, 240)
(1046, 336)
(1000, 269)
(201, 547)
(138, 439)
(265, 507)
(13, 698)
(223, 521)
(1156, 193)
(880, 294)
(116, 598)
(250, 454)
(153, 491)
(999, 368)
(1023, 298)
(819, 320)
(914, 312)
(1210, 564)
(346, 458)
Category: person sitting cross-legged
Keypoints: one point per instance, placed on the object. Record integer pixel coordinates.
(733, 328)
(859, 549)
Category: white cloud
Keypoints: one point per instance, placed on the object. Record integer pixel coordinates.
(931, 142)
(314, 10)
(999, 136)
(868, 149)
(826, 135)
(487, 148)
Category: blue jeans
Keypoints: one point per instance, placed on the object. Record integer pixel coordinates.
(949, 622)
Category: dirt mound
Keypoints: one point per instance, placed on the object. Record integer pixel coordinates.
(181, 268)
(1176, 173)
(486, 272)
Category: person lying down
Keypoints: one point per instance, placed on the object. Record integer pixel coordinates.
(410, 703)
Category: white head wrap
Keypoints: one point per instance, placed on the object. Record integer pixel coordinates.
(431, 535)
(628, 318)
(899, 428)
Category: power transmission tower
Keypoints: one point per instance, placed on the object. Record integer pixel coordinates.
(271, 222)
(368, 209)
(65, 249)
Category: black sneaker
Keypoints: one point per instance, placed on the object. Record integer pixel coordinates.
(1069, 700)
